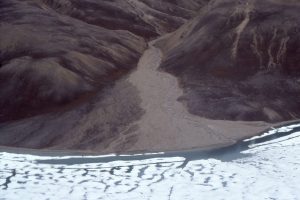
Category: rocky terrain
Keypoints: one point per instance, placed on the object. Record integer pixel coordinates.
(75, 74)
(57, 52)
(239, 60)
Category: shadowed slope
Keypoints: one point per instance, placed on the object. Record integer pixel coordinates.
(61, 64)
(48, 59)
(236, 60)
(146, 18)
(239, 60)
(55, 54)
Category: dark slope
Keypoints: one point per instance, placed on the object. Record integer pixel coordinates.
(48, 59)
(61, 64)
(55, 54)
(64, 76)
(239, 60)
(146, 18)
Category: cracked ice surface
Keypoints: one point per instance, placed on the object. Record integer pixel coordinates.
(266, 170)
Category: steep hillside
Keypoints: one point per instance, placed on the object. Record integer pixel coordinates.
(61, 65)
(239, 60)
(55, 54)
(146, 18)
(83, 74)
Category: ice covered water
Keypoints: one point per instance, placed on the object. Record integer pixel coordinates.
(264, 167)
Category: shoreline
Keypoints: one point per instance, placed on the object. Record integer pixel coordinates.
(83, 153)
(167, 125)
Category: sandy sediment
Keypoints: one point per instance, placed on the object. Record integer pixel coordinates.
(166, 124)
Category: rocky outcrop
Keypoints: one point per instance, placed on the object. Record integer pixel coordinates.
(239, 60)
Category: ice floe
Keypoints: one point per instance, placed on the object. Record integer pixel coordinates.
(268, 169)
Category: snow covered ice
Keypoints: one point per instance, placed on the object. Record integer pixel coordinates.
(268, 168)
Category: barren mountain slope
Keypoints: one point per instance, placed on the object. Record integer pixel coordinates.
(146, 18)
(61, 61)
(239, 60)
(55, 54)
(65, 72)
(48, 59)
